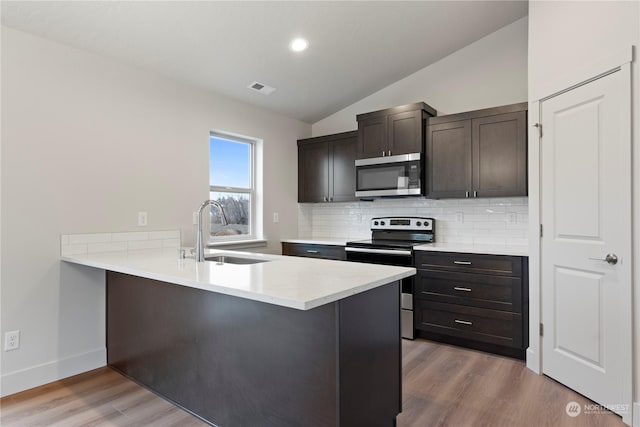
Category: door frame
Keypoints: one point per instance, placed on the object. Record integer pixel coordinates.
(581, 75)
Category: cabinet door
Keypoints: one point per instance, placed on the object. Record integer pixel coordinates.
(449, 160)
(500, 155)
(372, 137)
(405, 132)
(342, 175)
(313, 172)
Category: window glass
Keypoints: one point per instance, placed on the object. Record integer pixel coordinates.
(231, 183)
(230, 163)
(237, 211)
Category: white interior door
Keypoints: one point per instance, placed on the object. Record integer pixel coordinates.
(586, 215)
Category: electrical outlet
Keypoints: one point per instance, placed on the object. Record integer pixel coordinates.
(11, 340)
(513, 218)
(276, 217)
(459, 217)
(142, 219)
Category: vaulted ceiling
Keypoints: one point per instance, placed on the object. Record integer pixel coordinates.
(355, 48)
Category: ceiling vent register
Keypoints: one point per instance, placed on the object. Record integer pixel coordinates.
(261, 87)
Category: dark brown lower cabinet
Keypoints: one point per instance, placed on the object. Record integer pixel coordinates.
(474, 300)
(313, 250)
(238, 362)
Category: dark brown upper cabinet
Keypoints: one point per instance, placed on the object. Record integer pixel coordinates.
(326, 168)
(480, 153)
(398, 130)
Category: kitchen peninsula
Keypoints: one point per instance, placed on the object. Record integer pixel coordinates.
(275, 341)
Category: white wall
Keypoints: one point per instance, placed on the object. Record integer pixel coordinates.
(566, 40)
(86, 144)
(490, 72)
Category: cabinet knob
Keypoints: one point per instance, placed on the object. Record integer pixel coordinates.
(325, 199)
(383, 153)
(475, 194)
(389, 153)
(466, 194)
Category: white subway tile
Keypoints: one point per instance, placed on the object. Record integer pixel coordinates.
(161, 235)
(482, 218)
(144, 244)
(106, 247)
(518, 242)
(89, 238)
(171, 243)
(130, 236)
(76, 249)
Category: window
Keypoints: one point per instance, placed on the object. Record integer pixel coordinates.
(232, 182)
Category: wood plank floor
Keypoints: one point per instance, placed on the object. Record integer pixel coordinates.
(442, 386)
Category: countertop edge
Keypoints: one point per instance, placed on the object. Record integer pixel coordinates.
(511, 250)
(211, 287)
(473, 249)
(327, 242)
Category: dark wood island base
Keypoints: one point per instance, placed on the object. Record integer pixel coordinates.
(238, 362)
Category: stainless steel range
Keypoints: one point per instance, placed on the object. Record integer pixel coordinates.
(392, 241)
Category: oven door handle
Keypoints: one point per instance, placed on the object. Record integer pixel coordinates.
(379, 251)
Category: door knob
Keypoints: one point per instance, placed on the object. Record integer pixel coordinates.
(610, 258)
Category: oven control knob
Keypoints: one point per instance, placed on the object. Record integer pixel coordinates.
(427, 223)
(381, 222)
(419, 223)
(375, 222)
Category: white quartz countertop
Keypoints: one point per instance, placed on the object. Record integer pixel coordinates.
(295, 282)
(475, 248)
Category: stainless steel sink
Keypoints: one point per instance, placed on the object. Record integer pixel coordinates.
(225, 259)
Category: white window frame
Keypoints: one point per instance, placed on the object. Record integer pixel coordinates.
(254, 192)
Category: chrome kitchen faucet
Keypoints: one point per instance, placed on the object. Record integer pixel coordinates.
(199, 239)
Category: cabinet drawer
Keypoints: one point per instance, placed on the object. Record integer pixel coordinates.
(478, 290)
(490, 326)
(470, 263)
(314, 251)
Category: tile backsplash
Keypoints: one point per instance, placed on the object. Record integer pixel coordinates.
(73, 244)
(500, 221)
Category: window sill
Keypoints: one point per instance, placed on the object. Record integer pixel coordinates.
(238, 244)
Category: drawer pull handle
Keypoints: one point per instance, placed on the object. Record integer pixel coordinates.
(458, 288)
(463, 322)
(309, 251)
(462, 262)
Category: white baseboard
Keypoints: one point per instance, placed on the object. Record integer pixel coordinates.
(636, 415)
(36, 376)
(533, 361)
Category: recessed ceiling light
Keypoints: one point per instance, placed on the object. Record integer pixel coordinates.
(299, 44)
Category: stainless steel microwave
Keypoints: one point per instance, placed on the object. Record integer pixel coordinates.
(399, 175)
